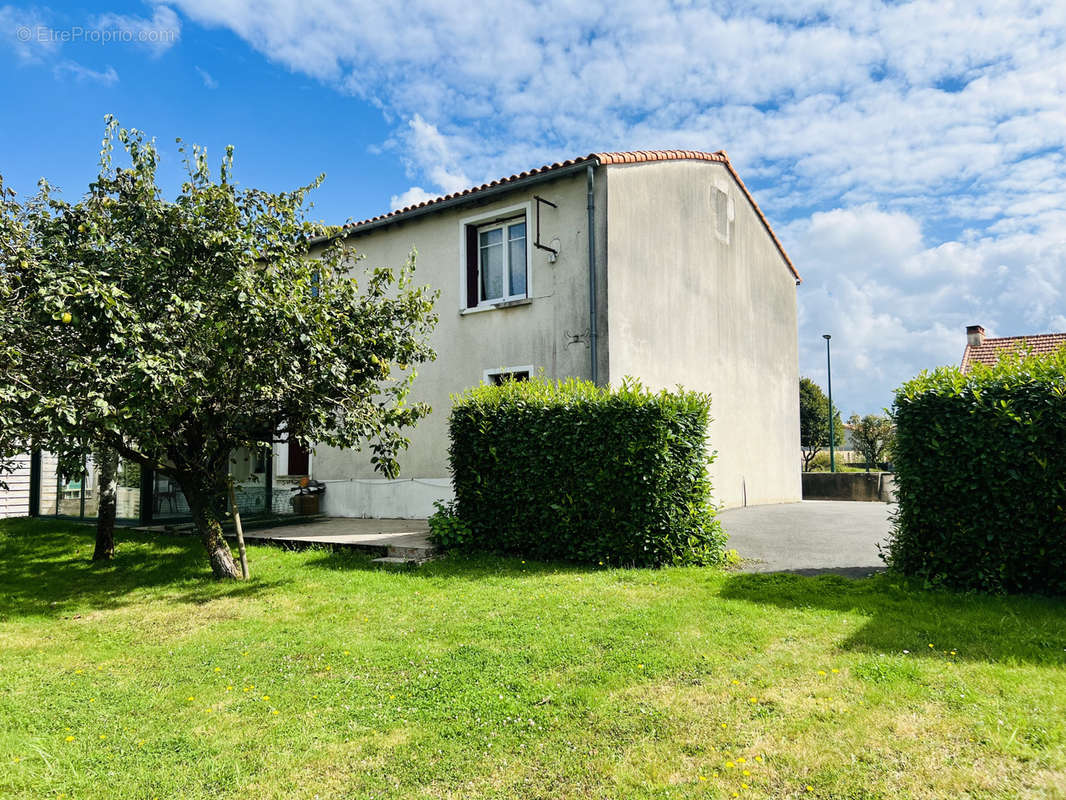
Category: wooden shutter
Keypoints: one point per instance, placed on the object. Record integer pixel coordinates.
(472, 293)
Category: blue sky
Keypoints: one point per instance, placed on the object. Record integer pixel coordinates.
(910, 156)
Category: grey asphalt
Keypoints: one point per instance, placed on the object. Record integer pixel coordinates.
(810, 537)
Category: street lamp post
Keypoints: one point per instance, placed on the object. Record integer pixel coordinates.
(829, 383)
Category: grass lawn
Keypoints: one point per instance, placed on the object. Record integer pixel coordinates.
(469, 678)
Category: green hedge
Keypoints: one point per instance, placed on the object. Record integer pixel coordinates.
(981, 474)
(582, 473)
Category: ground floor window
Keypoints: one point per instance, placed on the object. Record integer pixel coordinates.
(495, 377)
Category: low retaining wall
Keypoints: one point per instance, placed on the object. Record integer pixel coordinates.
(863, 486)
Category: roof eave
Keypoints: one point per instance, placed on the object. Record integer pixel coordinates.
(465, 198)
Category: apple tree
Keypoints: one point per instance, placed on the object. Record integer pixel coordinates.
(175, 332)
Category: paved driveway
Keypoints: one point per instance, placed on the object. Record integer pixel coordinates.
(810, 537)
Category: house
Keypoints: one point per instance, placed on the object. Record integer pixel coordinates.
(981, 349)
(15, 497)
(655, 264)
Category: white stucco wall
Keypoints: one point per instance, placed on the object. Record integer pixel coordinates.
(539, 333)
(686, 306)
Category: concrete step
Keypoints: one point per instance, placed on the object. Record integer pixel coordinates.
(415, 552)
(395, 561)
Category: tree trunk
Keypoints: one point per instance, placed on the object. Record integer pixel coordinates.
(106, 467)
(206, 519)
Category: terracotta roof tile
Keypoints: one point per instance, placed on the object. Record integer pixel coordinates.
(629, 157)
(989, 351)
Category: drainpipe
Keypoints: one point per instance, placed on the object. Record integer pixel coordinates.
(594, 371)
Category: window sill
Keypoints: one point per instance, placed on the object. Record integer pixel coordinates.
(523, 301)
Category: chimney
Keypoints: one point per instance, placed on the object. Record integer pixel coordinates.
(975, 335)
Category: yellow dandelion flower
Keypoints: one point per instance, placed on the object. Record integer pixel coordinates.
(743, 786)
(742, 760)
(701, 777)
(70, 739)
(729, 765)
(758, 758)
(347, 652)
(266, 697)
(208, 710)
(328, 667)
(821, 672)
(103, 735)
(92, 699)
(723, 725)
(753, 699)
(953, 652)
(745, 773)
(78, 671)
(810, 788)
(736, 794)
(218, 669)
(16, 759)
(640, 666)
(140, 742)
(189, 699)
(736, 683)
(930, 646)
(274, 711)
(835, 670)
(229, 688)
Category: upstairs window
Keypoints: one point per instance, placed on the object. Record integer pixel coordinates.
(497, 261)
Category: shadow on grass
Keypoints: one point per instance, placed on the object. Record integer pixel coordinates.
(46, 569)
(900, 615)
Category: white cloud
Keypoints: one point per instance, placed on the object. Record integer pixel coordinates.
(911, 155)
(412, 197)
(426, 151)
(25, 31)
(157, 34)
(205, 76)
(72, 69)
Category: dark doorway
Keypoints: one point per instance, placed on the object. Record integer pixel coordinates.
(299, 459)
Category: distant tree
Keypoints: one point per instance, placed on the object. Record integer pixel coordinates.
(873, 436)
(176, 333)
(814, 421)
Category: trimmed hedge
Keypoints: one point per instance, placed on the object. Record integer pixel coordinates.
(980, 464)
(571, 471)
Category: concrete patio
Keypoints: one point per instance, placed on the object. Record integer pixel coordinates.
(368, 533)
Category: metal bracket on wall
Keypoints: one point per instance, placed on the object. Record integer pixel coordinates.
(576, 338)
(536, 243)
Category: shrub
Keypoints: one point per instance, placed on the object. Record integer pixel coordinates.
(980, 464)
(446, 529)
(583, 473)
(821, 463)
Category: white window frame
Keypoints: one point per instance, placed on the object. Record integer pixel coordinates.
(486, 376)
(499, 217)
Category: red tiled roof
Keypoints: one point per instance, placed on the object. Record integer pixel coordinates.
(632, 157)
(989, 350)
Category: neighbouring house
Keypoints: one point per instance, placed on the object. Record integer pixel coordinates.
(15, 499)
(656, 264)
(981, 349)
